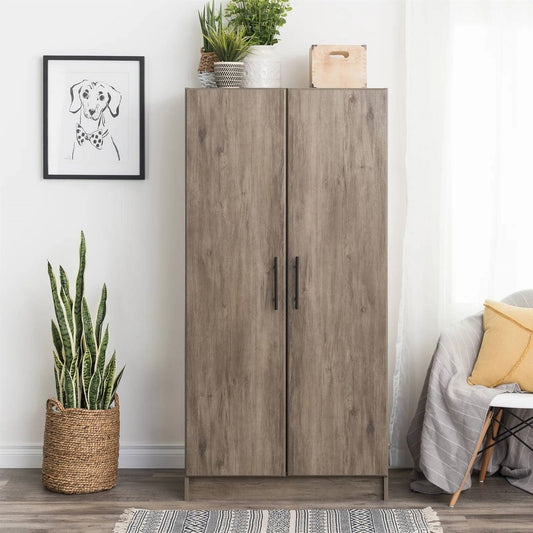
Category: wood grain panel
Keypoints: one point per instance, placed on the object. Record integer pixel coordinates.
(291, 488)
(235, 362)
(337, 168)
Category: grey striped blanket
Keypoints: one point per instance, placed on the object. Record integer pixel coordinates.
(450, 415)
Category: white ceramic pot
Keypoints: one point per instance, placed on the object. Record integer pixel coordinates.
(262, 68)
(229, 74)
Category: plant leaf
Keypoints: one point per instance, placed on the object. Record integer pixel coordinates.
(67, 305)
(77, 386)
(65, 285)
(101, 352)
(86, 367)
(57, 360)
(70, 392)
(88, 332)
(100, 315)
(77, 316)
(94, 390)
(66, 334)
(73, 368)
(116, 384)
(65, 295)
(58, 343)
(109, 378)
(59, 386)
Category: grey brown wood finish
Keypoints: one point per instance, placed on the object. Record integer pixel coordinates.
(337, 204)
(328, 208)
(235, 374)
(293, 488)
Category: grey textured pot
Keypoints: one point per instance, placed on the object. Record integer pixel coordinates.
(229, 74)
(207, 80)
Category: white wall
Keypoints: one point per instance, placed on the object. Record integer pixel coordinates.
(135, 230)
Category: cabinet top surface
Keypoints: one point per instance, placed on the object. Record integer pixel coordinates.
(314, 89)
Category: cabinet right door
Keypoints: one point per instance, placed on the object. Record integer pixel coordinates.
(337, 282)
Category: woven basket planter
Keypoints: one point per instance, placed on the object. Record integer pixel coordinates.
(206, 70)
(80, 452)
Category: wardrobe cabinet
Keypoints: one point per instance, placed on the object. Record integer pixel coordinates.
(286, 292)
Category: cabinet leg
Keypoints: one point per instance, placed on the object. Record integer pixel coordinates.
(385, 488)
(186, 488)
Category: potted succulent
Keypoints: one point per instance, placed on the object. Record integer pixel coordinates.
(231, 46)
(261, 20)
(81, 438)
(208, 17)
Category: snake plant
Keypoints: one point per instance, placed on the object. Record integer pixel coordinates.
(82, 377)
(210, 17)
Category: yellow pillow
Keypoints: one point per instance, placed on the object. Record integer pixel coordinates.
(506, 354)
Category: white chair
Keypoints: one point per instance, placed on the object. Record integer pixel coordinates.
(491, 427)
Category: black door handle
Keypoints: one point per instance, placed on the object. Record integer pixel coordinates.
(275, 283)
(296, 282)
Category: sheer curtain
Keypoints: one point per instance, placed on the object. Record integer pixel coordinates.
(469, 145)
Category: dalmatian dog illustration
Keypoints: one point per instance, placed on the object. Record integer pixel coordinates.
(92, 135)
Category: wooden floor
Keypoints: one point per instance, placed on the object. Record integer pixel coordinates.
(25, 505)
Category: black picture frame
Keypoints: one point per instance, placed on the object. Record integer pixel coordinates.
(85, 137)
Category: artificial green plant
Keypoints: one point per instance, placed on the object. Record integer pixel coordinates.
(210, 18)
(82, 377)
(229, 43)
(261, 19)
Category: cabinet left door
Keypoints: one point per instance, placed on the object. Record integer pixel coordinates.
(235, 322)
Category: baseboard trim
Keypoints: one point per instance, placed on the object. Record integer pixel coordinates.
(156, 456)
(131, 456)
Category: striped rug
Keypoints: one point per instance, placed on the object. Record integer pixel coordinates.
(281, 521)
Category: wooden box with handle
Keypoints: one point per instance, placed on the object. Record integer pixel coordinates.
(337, 66)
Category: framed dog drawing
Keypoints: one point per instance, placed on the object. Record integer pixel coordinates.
(93, 117)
